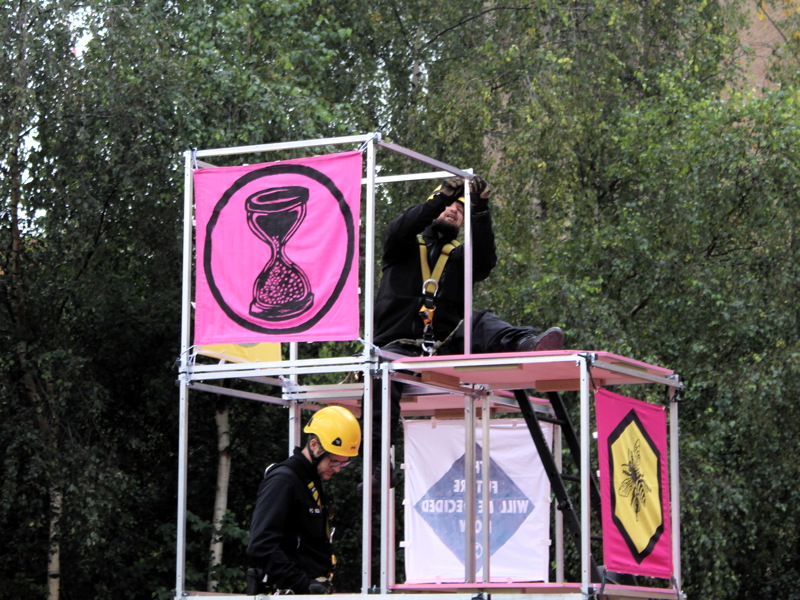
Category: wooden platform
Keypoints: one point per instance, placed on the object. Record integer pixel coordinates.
(551, 590)
(472, 591)
(549, 371)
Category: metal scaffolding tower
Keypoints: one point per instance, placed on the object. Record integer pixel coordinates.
(488, 383)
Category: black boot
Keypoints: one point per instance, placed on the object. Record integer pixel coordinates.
(552, 339)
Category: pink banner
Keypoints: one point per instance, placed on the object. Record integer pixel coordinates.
(277, 251)
(634, 486)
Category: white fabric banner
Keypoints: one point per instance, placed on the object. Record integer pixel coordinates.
(434, 505)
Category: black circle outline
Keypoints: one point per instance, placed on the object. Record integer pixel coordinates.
(223, 201)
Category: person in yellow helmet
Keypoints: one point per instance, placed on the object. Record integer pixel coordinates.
(290, 532)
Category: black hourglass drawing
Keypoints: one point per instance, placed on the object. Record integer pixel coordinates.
(281, 291)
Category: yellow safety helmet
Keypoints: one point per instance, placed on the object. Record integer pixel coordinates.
(337, 430)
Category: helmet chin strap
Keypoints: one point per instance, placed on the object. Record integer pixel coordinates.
(315, 460)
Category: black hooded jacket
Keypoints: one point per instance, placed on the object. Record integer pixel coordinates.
(289, 534)
(400, 289)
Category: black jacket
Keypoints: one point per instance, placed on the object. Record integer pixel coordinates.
(400, 289)
(289, 534)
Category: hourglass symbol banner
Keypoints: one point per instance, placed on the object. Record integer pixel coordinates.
(277, 251)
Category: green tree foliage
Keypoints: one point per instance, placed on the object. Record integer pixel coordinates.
(642, 202)
(90, 288)
(649, 210)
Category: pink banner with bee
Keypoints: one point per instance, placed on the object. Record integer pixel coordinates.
(277, 251)
(634, 485)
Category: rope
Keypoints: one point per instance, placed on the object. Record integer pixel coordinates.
(421, 343)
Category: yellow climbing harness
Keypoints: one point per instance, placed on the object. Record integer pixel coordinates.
(430, 287)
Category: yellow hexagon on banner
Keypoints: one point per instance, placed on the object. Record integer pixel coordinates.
(636, 494)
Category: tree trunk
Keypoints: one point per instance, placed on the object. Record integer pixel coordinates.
(36, 395)
(221, 496)
(54, 559)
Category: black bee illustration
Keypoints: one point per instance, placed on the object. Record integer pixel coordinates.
(634, 484)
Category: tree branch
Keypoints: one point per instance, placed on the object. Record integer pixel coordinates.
(467, 19)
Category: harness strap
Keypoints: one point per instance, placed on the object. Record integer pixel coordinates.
(431, 279)
(430, 287)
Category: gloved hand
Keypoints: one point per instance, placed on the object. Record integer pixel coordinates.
(323, 586)
(450, 186)
(479, 192)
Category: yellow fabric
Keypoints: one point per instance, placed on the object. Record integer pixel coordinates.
(263, 352)
(431, 287)
(637, 505)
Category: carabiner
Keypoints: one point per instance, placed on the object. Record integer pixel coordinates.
(435, 287)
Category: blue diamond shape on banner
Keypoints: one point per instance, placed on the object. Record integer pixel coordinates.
(443, 508)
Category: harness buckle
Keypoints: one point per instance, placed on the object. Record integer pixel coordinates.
(426, 313)
(428, 307)
(428, 343)
(425, 291)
